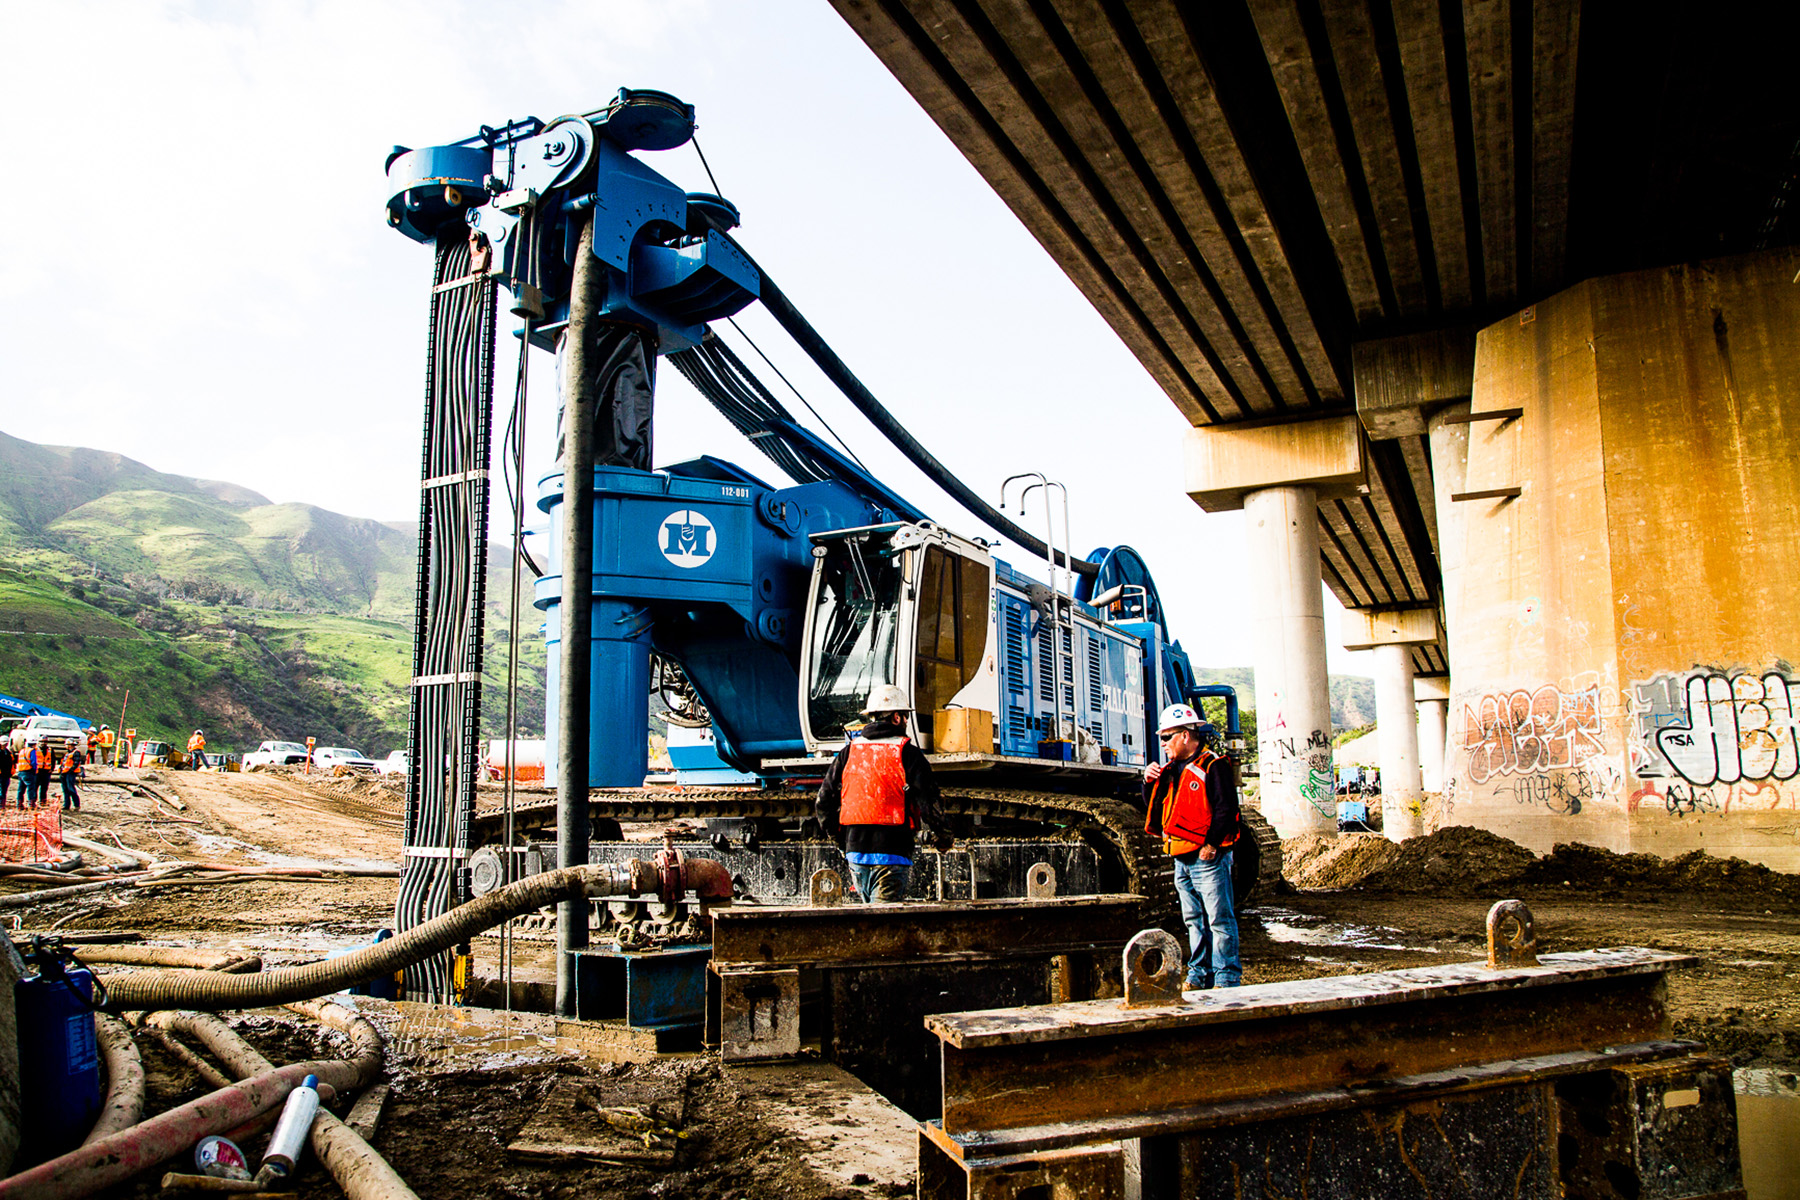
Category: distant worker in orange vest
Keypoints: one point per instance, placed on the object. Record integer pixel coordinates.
(877, 793)
(105, 744)
(70, 771)
(34, 775)
(197, 750)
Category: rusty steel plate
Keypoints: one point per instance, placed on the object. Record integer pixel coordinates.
(885, 934)
(1012, 1068)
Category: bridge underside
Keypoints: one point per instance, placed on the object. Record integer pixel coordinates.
(1295, 211)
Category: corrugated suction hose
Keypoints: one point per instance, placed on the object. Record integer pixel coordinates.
(211, 992)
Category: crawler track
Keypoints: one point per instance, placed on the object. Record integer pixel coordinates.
(1134, 861)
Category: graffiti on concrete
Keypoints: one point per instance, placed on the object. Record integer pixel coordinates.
(1706, 727)
(1524, 732)
(1305, 766)
(1562, 792)
(1679, 798)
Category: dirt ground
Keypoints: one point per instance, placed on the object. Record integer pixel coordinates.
(1363, 907)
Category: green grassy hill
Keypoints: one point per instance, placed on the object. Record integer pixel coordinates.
(216, 608)
(1352, 696)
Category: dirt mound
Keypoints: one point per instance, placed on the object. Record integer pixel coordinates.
(1455, 861)
(1604, 872)
(1464, 861)
(1316, 860)
(1460, 860)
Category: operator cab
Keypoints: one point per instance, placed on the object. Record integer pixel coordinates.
(903, 604)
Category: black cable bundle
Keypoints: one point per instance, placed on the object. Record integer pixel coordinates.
(741, 398)
(444, 746)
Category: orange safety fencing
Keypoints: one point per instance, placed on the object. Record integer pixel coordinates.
(31, 835)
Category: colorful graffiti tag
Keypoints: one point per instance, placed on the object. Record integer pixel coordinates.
(1523, 732)
(1708, 728)
(1305, 766)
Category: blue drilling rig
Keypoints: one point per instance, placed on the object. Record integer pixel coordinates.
(767, 613)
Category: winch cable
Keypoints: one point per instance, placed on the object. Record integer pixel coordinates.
(512, 472)
(732, 388)
(451, 585)
(816, 348)
(515, 442)
(732, 321)
(718, 375)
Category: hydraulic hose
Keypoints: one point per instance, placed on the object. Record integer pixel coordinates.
(114, 1159)
(361, 1173)
(801, 330)
(124, 1106)
(212, 991)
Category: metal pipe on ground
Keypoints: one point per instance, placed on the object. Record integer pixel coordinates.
(114, 1159)
(114, 852)
(365, 1114)
(163, 956)
(191, 1058)
(213, 990)
(26, 899)
(124, 1104)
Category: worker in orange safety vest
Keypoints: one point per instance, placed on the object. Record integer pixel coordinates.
(197, 750)
(1191, 802)
(877, 793)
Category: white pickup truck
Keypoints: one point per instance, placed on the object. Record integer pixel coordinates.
(275, 754)
(54, 735)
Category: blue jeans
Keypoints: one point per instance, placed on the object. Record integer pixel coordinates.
(1206, 906)
(884, 882)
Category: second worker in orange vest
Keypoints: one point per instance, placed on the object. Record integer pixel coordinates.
(877, 793)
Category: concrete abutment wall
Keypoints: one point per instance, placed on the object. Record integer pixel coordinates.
(1624, 634)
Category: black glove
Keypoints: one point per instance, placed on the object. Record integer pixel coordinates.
(942, 841)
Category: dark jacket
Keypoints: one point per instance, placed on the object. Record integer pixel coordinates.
(921, 807)
(1221, 799)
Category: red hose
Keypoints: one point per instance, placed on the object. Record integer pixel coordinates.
(117, 1158)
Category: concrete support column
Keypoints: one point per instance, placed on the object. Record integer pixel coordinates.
(1293, 698)
(1392, 634)
(1277, 474)
(1432, 693)
(1402, 798)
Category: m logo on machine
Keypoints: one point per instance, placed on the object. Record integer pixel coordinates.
(688, 538)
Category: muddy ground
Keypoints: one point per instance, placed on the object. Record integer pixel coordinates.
(1367, 907)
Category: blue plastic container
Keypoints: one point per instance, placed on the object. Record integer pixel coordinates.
(59, 1064)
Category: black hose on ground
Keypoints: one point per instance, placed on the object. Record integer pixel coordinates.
(212, 991)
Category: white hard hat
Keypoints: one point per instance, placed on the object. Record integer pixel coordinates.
(1177, 716)
(888, 698)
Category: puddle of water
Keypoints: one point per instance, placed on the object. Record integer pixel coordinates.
(1768, 1113)
(1302, 930)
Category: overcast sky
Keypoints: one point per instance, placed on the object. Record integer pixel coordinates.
(198, 273)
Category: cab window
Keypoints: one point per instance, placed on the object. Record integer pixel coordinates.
(952, 628)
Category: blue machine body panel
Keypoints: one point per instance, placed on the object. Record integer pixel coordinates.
(1102, 685)
(694, 756)
(706, 564)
